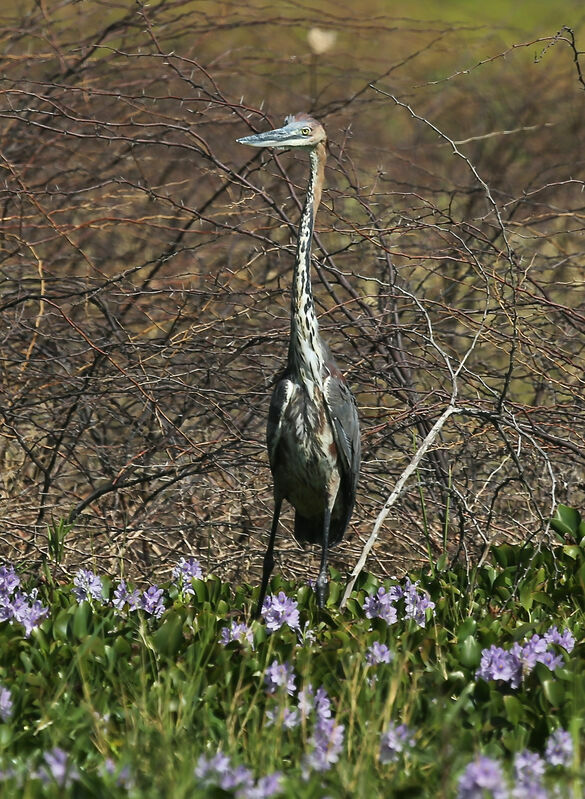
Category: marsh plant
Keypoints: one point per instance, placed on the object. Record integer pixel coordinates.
(446, 682)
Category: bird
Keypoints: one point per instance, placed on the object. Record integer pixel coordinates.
(312, 433)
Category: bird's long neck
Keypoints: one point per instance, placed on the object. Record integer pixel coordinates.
(306, 350)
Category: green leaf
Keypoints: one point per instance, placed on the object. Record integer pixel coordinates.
(566, 521)
(167, 639)
(467, 628)
(515, 710)
(554, 690)
(80, 619)
(61, 626)
(470, 652)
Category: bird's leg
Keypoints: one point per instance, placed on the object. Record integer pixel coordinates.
(322, 586)
(268, 557)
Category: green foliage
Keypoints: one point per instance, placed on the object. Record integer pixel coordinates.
(153, 695)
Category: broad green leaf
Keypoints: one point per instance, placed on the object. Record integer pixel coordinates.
(167, 639)
(470, 652)
(566, 521)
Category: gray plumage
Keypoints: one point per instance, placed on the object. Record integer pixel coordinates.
(313, 429)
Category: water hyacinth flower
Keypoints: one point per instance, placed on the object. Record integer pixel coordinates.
(528, 772)
(483, 774)
(306, 700)
(9, 581)
(267, 786)
(498, 664)
(383, 604)
(184, 572)
(306, 636)
(416, 603)
(19, 606)
(280, 676)
(326, 744)
(278, 610)
(378, 653)
(5, 703)
(511, 666)
(239, 632)
(124, 597)
(286, 717)
(122, 776)
(559, 748)
(566, 639)
(394, 741)
(310, 701)
(151, 601)
(58, 768)
(218, 771)
(25, 609)
(88, 586)
(326, 740)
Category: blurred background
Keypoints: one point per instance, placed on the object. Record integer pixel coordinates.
(146, 262)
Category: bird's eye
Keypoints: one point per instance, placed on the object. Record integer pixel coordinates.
(306, 131)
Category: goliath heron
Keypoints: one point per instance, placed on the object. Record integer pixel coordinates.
(313, 430)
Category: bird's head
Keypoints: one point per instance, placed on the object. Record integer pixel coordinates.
(300, 130)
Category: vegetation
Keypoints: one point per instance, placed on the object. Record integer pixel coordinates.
(144, 275)
(146, 268)
(110, 698)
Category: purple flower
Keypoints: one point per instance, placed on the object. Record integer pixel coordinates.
(416, 604)
(209, 768)
(551, 661)
(381, 605)
(280, 676)
(5, 703)
(123, 777)
(395, 740)
(265, 788)
(326, 742)
(483, 774)
(218, 771)
(559, 748)
(151, 601)
(58, 768)
(9, 580)
(497, 664)
(306, 636)
(322, 704)
(237, 632)
(278, 610)
(28, 610)
(184, 572)
(123, 597)
(529, 653)
(287, 717)
(88, 586)
(311, 701)
(306, 700)
(528, 772)
(566, 639)
(378, 653)
(511, 666)
(238, 779)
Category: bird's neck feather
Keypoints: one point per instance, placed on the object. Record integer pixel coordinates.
(307, 352)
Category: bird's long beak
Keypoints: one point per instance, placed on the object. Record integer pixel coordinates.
(280, 137)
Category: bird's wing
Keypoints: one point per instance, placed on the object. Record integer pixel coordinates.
(343, 415)
(281, 395)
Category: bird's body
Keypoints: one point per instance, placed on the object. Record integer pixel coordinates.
(313, 429)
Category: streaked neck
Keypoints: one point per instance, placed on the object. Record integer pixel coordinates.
(306, 351)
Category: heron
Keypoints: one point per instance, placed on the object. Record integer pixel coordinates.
(312, 433)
